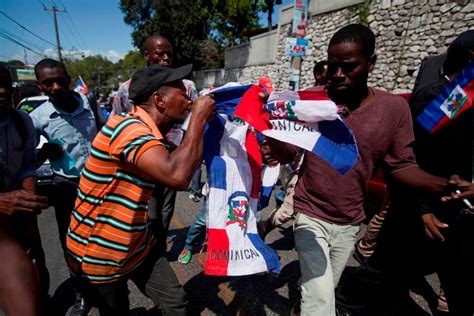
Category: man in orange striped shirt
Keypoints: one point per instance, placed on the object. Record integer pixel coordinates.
(109, 239)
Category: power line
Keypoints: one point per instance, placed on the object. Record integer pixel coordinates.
(22, 45)
(70, 31)
(68, 39)
(73, 24)
(20, 38)
(55, 19)
(25, 28)
(3, 56)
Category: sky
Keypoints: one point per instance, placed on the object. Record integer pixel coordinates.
(88, 27)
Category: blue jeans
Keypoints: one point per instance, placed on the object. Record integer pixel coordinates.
(195, 187)
(197, 230)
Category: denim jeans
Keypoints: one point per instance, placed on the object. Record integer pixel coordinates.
(323, 251)
(197, 231)
(195, 187)
(154, 278)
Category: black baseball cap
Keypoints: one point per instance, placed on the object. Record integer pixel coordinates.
(147, 80)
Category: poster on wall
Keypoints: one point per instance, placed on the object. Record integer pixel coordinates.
(299, 18)
(294, 74)
(296, 47)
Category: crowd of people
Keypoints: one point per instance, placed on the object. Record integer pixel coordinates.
(115, 188)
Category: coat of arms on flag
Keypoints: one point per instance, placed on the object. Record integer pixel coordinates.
(234, 167)
(454, 100)
(80, 86)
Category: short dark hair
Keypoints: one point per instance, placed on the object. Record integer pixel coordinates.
(49, 63)
(356, 33)
(459, 53)
(319, 67)
(5, 78)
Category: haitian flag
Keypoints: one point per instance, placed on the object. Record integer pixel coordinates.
(454, 100)
(80, 86)
(234, 167)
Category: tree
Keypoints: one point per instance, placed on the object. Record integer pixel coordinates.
(125, 67)
(97, 71)
(191, 26)
(268, 6)
(16, 63)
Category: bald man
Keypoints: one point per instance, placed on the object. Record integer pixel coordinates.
(158, 50)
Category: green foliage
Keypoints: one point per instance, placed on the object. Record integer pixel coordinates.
(267, 6)
(97, 71)
(199, 30)
(129, 64)
(16, 63)
(362, 10)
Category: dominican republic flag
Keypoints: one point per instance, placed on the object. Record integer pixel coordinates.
(454, 100)
(307, 119)
(80, 86)
(270, 176)
(234, 168)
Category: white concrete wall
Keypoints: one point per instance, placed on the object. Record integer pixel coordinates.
(406, 32)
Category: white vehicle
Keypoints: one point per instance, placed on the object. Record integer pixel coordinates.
(44, 172)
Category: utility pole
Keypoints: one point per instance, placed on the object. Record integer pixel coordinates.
(24, 55)
(99, 70)
(55, 10)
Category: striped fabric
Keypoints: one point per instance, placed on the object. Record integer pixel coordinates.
(108, 235)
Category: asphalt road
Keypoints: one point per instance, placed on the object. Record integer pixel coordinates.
(250, 295)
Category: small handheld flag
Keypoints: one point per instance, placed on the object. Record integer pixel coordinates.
(80, 86)
(454, 100)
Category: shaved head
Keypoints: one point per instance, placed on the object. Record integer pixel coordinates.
(153, 39)
(158, 50)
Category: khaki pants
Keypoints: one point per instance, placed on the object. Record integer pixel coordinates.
(285, 212)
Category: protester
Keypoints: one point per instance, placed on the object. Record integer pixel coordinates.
(108, 240)
(20, 290)
(68, 123)
(285, 212)
(320, 73)
(158, 51)
(196, 232)
(401, 258)
(195, 187)
(330, 205)
(445, 153)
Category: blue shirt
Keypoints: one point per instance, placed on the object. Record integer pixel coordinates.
(17, 156)
(77, 129)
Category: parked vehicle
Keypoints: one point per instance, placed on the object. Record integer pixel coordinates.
(44, 172)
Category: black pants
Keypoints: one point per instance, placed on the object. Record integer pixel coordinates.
(456, 270)
(154, 278)
(62, 195)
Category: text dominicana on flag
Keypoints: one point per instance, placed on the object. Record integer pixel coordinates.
(234, 166)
